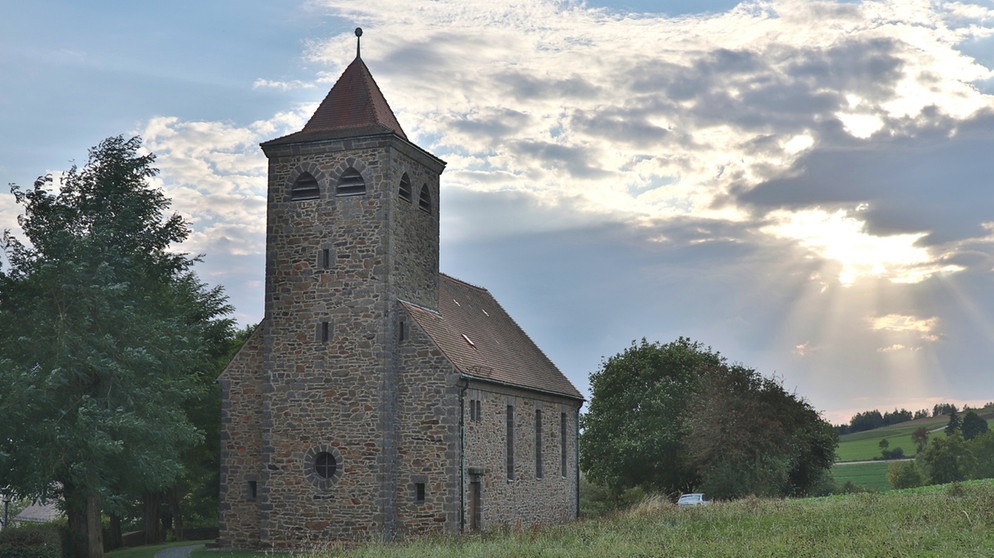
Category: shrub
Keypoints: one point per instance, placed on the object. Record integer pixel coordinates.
(35, 541)
(905, 475)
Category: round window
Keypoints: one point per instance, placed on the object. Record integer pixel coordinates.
(325, 465)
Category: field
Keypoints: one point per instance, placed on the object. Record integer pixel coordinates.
(871, 475)
(951, 520)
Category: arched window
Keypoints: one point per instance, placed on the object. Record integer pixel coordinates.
(305, 187)
(351, 183)
(405, 188)
(425, 199)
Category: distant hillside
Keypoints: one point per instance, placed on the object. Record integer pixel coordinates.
(865, 446)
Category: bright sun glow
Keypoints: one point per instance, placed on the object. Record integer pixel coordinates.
(839, 236)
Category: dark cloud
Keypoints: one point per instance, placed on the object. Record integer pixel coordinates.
(574, 160)
(938, 183)
(522, 86)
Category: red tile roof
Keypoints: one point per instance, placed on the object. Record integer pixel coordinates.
(481, 340)
(355, 106)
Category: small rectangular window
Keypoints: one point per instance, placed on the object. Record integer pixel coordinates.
(475, 410)
(325, 258)
(562, 442)
(419, 492)
(253, 490)
(538, 443)
(402, 334)
(510, 442)
(324, 331)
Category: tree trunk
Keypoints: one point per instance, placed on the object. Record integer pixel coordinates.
(84, 523)
(114, 537)
(153, 524)
(176, 513)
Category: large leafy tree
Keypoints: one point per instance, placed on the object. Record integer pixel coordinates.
(103, 331)
(679, 416)
(631, 432)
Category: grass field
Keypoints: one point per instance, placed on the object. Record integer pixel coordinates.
(951, 520)
(862, 446)
(871, 475)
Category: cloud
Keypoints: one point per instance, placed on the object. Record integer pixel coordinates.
(756, 178)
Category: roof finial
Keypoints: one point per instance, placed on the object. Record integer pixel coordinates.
(358, 38)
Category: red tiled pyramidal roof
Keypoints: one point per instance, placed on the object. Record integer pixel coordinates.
(483, 341)
(355, 106)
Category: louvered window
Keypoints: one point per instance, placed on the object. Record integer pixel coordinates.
(305, 187)
(351, 184)
(405, 188)
(425, 199)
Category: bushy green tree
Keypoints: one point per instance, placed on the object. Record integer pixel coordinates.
(982, 449)
(103, 330)
(631, 433)
(946, 459)
(920, 438)
(674, 417)
(973, 425)
(905, 474)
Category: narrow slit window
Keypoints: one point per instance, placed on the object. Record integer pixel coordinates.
(538, 443)
(419, 492)
(305, 187)
(324, 331)
(510, 442)
(253, 490)
(325, 258)
(424, 200)
(402, 334)
(351, 184)
(562, 442)
(405, 191)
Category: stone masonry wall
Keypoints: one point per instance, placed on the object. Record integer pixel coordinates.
(330, 338)
(526, 498)
(241, 445)
(428, 434)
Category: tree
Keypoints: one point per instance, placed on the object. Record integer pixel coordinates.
(946, 459)
(920, 438)
(955, 423)
(103, 330)
(905, 474)
(675, 417)
(982, 450)
(972, 425)
(631, 432)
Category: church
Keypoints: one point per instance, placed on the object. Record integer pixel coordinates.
(380, 399)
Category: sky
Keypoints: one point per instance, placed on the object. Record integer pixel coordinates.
(804, 186)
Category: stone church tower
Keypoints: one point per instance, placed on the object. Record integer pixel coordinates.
(344, 416)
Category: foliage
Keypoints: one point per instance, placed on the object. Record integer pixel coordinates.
(631, 433)
(982, 449)
(955, 423)
(104, 330)
(920, 438)
(905, 474)
(940, 409)
(32, 541)
(675, 417)
(946, 459)
(972, 425)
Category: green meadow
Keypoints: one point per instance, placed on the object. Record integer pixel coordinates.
(949, 520)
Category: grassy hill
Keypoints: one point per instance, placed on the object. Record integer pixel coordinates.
(951, 520)
(862, 446)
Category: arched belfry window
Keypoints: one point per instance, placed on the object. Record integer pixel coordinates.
(305, 187)
(424, 200)
(405, 188)
(351, 183)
